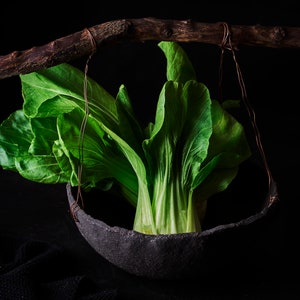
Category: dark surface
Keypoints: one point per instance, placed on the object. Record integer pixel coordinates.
(42, 254)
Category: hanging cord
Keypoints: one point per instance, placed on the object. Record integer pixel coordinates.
(83, 126)
(227, 44)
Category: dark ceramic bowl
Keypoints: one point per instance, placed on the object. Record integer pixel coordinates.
(173, 256)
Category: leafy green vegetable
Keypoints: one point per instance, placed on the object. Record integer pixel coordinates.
(168, 170)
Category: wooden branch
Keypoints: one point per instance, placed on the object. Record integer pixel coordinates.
(82, 43)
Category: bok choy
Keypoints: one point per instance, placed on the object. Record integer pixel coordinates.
(168, 170)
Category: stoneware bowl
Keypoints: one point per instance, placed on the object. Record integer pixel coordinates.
(174, 256)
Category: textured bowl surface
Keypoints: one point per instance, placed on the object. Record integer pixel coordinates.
(173, 256)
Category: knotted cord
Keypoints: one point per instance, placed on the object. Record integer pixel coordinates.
(83, 125)
(227, 45)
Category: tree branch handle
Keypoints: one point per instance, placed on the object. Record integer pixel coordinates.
(79, 44)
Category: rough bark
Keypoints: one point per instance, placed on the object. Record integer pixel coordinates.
(82, 43)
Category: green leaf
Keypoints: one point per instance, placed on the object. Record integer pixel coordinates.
(177, 145)
(59, 89)
(15, 139)
(45, 134)
(98, 153)
(129, 128)
(143, 217)
(41, 168)
(227, 150)
(197, 130)
(179, 66)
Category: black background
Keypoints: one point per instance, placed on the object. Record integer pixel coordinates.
(36, 230)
